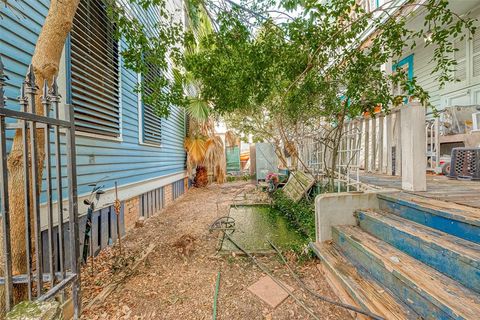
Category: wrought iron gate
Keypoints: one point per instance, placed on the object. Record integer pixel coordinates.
(52, 247)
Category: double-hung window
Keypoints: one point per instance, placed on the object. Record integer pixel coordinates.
(467, 56)
(94, 70)
(460, 56)
(476, 54)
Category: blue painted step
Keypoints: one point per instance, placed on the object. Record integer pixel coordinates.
(453, 256)
(449, 217)
(356, 289)
(428, 292)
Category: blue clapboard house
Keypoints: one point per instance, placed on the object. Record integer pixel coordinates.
(118, 137)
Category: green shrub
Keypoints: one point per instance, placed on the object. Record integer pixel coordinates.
(300, 215)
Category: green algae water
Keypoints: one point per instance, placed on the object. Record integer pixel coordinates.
(254, 225)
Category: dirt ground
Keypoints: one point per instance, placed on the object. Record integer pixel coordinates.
(177, 278)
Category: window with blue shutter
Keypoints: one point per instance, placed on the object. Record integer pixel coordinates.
(94, 70)
(406, 64)
(152, 123)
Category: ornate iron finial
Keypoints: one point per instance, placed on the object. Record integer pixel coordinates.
(45, 98)
(3, 77)
(2, 74)
(53, 93)
(23, 99)
(45, 87)
(2, 97)
(30, 78)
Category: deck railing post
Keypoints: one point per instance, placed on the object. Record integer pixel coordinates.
(366, 148)
(414, 157)
(380, 143)
(398, 143)
(389, 142)
(373, 153)
(436, 129)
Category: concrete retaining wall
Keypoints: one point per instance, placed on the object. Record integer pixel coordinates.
(333, 209)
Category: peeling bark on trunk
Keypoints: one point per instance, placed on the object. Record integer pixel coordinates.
(46, 60)
(338, 134)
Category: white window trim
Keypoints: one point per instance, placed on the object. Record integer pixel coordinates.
(97, 136)
(474, 79)
(470, 80)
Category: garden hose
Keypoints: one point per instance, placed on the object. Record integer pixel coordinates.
(278, 282)
(315, 294)
(215, 297)
(218, 224)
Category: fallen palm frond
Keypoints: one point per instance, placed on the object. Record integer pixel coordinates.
(215, 158)
(231, 139)
(196, 147)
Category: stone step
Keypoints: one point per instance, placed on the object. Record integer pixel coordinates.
(356, 289)
(457, 258)
(458, 220)
(428, 292)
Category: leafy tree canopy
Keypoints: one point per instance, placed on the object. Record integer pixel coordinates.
(318, 62)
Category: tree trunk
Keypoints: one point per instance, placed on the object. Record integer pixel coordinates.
(335, 152)
(46, 60)
(201, 177)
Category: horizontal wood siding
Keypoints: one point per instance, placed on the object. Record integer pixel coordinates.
(129, 161)
(124, 160)
(422, 70)
(423, 67)
(20, 25)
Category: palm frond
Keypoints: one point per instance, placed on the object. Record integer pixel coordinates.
(196, 147)
(231, 139)
(215, 158)
(198, 109)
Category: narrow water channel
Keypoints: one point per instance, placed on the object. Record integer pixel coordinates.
(254, 225)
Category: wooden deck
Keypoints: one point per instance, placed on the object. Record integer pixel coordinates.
(438, 187)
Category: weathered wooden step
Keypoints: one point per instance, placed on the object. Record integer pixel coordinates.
(458, 220)
(356, 289)
(453, 256)
(427, 291)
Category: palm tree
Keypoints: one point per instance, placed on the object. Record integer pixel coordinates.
(205, 150)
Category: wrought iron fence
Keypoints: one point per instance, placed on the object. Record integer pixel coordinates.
(51, 246)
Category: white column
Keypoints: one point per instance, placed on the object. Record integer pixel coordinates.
(398, 143)
(366, 144)
(380, 143)
(389, 139)
(414, 157)
(373, 159)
